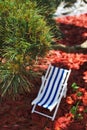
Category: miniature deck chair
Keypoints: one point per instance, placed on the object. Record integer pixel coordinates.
(53, 88)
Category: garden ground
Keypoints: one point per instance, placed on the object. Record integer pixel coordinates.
(16, 114)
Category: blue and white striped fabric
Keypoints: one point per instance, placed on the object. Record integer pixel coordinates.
(53, 86)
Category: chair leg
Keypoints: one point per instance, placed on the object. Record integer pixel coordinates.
(33, 108)
(56, 109)
(40, 113)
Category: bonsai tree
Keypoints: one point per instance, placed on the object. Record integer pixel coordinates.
(24, 35)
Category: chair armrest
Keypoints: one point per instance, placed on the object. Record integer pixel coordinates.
(42, 78)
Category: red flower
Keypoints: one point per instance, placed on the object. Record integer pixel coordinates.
(85, 99)
(69, 100)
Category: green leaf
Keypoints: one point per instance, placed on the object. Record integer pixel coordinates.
(79, 94)
(73, 110)
(74, 86)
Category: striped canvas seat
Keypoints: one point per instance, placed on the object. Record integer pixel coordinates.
(53, 88)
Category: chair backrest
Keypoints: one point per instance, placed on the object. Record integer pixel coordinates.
(55, 79)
